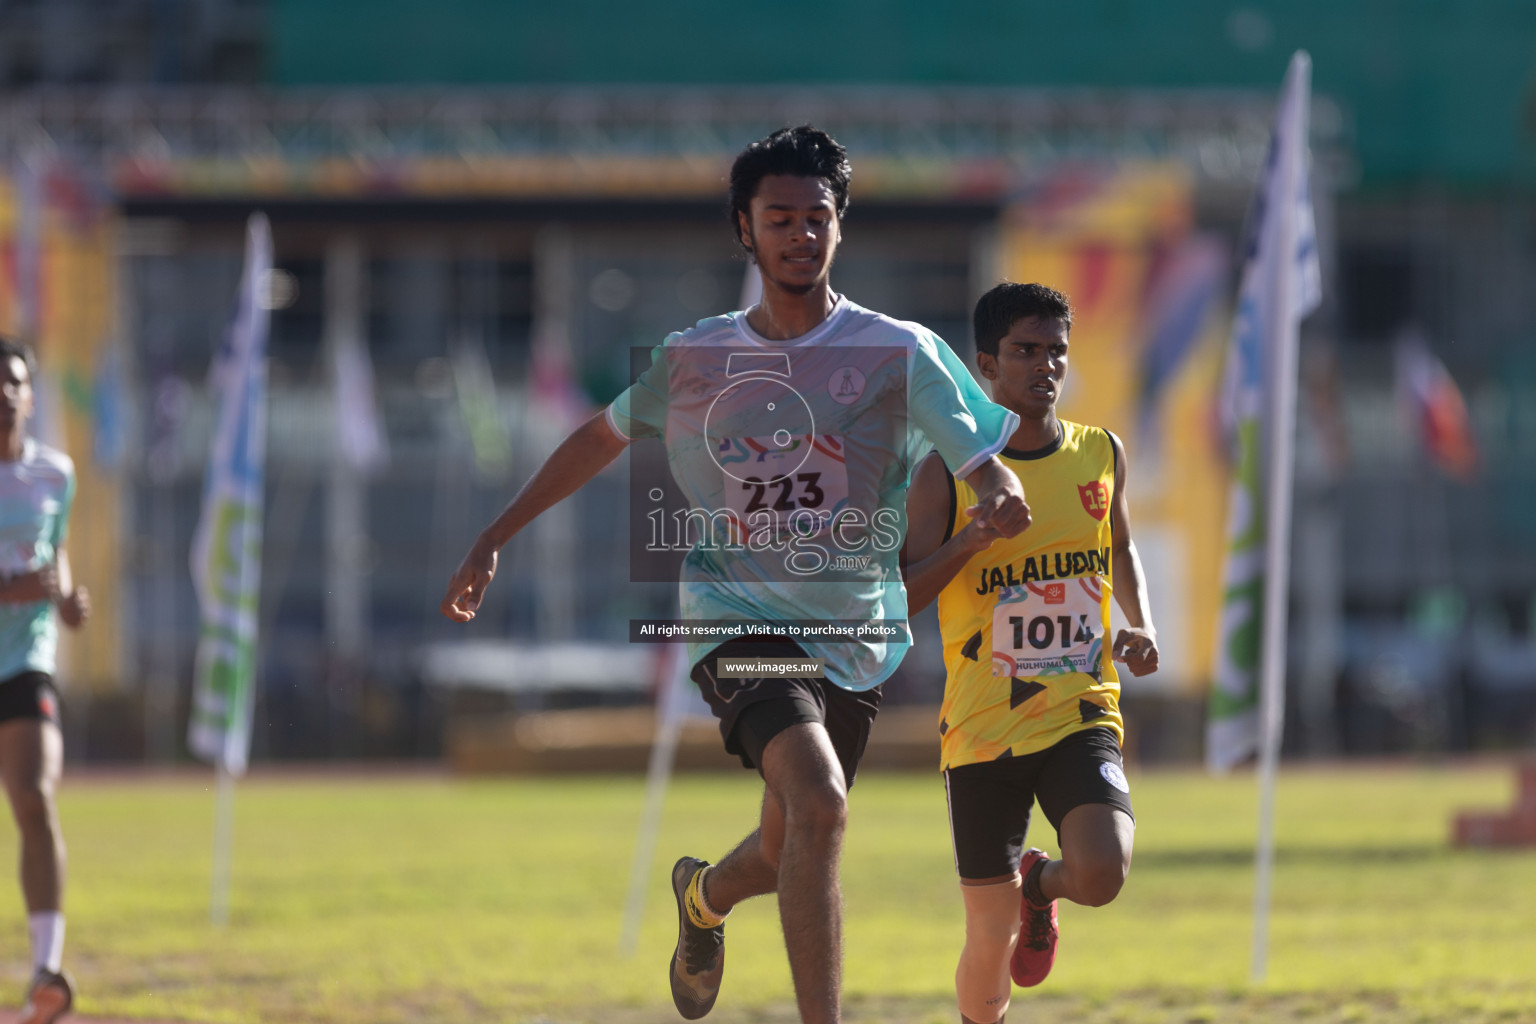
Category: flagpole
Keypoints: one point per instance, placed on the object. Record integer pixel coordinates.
(223, 846)
(1280, 459)
(669, 725)
(226, 556)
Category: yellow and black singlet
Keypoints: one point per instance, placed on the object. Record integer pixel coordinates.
(1026, 622)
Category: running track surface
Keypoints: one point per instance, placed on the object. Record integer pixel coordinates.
(9, 1017)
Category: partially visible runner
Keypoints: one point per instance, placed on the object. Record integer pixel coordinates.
(1031, 707)
(37, 486)
(857, 392)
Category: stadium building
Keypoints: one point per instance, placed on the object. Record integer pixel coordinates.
(480, 209)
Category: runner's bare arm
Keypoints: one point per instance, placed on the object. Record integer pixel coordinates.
(578, 459)
(73, 603)
(29, 587)
(1137, 646)
(1001, 503)
(929, 561)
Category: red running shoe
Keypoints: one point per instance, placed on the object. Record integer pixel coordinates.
(1035, 952)
(49, 998)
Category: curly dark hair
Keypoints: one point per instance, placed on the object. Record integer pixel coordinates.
(803, 152)
(16, 350)
(1008, 303)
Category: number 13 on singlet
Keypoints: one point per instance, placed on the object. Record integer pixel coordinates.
(1049, 629)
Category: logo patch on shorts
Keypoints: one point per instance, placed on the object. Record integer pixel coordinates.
(1114, 776)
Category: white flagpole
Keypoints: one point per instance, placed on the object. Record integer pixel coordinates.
(229, 530)
(669, 725)
(1283, 331)
(751, 287)
(223, 846)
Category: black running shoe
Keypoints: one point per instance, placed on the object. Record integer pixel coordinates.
(699, 960)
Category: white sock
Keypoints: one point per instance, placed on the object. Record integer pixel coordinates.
(47, 930)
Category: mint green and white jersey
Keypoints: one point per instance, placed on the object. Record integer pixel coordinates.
(35, 497)
(794, 458)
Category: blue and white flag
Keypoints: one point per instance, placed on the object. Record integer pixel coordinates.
(226, 549)
(1281, 284)
(108, 432)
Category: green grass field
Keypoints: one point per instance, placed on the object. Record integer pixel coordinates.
(427, 899)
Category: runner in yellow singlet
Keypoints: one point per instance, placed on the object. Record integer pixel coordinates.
(1031, 707)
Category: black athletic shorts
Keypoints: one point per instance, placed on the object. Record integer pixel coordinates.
(989, 802)
(30, 694)
(753, 711)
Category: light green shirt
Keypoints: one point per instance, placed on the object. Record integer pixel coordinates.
(811, 441)
(36, 493)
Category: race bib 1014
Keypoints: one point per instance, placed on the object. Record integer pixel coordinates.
(1049, 629)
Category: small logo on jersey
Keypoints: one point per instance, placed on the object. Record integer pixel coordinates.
(1095, 498)
(1114, 776)
(1055, 593)
(46, 706)
(846, 385)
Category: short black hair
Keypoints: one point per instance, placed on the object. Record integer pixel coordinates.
(1008, 303)
(803, 152)
(16, 350)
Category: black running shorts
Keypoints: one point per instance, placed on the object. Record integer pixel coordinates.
(989, 802)
(29, 695)
(753, 711)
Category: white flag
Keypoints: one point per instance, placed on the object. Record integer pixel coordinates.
(361, 436)
(480, 408)
(1281, 284)
(226, 549)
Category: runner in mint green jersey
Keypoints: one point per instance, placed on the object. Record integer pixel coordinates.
(37, 488)
(791, 429)
(848, 400)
